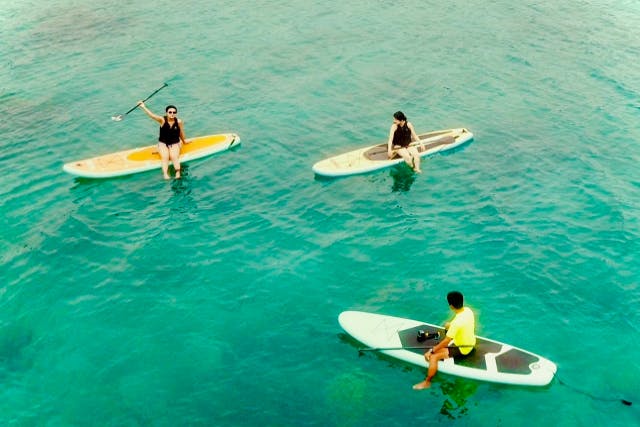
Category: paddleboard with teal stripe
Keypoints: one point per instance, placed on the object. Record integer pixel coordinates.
(143, 159)
(491, 360)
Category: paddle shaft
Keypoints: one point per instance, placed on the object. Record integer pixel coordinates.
(409, 348)
(421, 145)
(148, 97)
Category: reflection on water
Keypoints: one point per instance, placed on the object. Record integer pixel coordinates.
(456, 392)
(182, 185)
(182, 201)
(403, 177)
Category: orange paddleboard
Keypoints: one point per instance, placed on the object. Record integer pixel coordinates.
(137, 160)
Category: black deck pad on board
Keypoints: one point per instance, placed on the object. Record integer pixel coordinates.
(515, 361)
(409, 338)
(379, 152)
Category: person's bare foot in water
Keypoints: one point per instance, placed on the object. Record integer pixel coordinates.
(422, 385)
(415, 165)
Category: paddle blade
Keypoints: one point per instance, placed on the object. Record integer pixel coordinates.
(117, 118)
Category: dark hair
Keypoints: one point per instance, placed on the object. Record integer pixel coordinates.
(455, 299)
(399, 115)
(170, 106)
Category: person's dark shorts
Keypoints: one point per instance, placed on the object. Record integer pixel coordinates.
(169, 144)
(455, 352)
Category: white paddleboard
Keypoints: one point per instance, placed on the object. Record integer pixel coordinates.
(374, 157)
(490, 361)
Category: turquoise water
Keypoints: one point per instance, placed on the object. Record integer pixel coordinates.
(214, 300)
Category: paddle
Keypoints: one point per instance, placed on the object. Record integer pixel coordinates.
(406, 348)
(121, 116)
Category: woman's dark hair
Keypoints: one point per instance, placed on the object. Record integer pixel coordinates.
(399, 115)
(455, 299)
(170, 106)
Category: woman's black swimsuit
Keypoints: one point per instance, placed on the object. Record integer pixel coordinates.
(169, 135)
(402, 136)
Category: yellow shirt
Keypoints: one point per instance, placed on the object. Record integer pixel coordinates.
(462, 330)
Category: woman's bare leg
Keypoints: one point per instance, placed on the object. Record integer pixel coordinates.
(413, 151)
(174, 155)
(164, 158)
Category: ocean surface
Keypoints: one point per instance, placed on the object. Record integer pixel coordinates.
(213, 300)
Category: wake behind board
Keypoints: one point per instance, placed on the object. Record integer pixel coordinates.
(491, 361)
(375, 157)
(137, 160)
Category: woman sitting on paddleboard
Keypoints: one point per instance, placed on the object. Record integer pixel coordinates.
(170, 139)
(400, 136)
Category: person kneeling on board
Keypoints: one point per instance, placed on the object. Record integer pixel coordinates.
(400, 137)
(170, 139)
(460, 333)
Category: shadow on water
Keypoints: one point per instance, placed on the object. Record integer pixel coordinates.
(403, 178)
(15, 342)
(83, 183)
(178, 186)
(322, 178)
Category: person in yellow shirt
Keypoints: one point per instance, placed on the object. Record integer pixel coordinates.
(458, 342)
